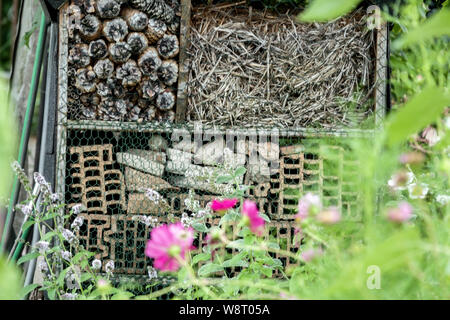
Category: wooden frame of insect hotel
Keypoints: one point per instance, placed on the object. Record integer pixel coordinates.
(170, 97)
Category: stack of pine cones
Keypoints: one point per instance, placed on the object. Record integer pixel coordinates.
(123, 59)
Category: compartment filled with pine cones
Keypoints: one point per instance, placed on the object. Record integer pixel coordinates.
(123, 58)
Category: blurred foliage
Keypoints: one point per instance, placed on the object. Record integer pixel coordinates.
(9, 274)
(8, 138)
(9, 280)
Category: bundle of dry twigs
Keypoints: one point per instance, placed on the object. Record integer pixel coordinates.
(250, 68)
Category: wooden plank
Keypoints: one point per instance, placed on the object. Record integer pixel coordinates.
(139, 181)
(183, 63)
(380, 75)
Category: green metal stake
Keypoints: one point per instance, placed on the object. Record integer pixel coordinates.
(30, 103)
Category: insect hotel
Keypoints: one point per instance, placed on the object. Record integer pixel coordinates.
(172, 96)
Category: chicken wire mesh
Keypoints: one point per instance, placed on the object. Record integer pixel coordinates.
(117, 139)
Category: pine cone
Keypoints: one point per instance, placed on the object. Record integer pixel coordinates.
(129, 73)
(79, 55)
(90, 27)
(149, 61)
(107, 9)
(85, 79)
(155, 30)
(168, 46)
(115, 30)
(165, 100)
(98, 49)
(137, 20)
(138, 42)
(168, 72)
(119, 51)
(104, 68)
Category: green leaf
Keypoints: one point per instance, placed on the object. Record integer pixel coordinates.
(201, 257)
(28, 257)
(28, 224)
(200, 227)
(48, 236)
(421, 110)
(325, 10)
(436, 26)
(51, 294)
(265, 217)
(62, 275)
(267, 271)
(86, 276)
(28, 34)
(240, 171)
(26, 290)
(224, 179)
(230, 216)
(236, 261)
(273, 245)
(208, 269)
(123, 295)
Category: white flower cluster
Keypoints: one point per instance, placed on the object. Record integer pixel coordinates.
(42, 246)
(194, 206)
(109, 267)
(69, 296)
(401, 181)
(43, 184)
(96, 264)
(54, 197)
(152, 273)
(66, 255)
(69, 236)
(27, 209)
(186, 221)
(72, 280)
(443, 199)
(154, 196)
(149, 221)
(77, 209)
(77, 223)
(190, 202)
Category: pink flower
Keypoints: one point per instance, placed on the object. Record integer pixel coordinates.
(430, 135)
(224, 205)
(400, 214)
(412, 157)
(329, 216)
(310, 254)
(167, 243)
(400, 180)
(254, 220)
(306, 205)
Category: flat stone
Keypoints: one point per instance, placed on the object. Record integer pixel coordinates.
(140, 163)
(190, 183)
(210, 153)
(138, 181)
(287, 150)
(185, 145)
(181, 167)
(178, 155)
(150, 155)
(197, 172)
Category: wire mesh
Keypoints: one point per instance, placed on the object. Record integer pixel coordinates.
(108, 163)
